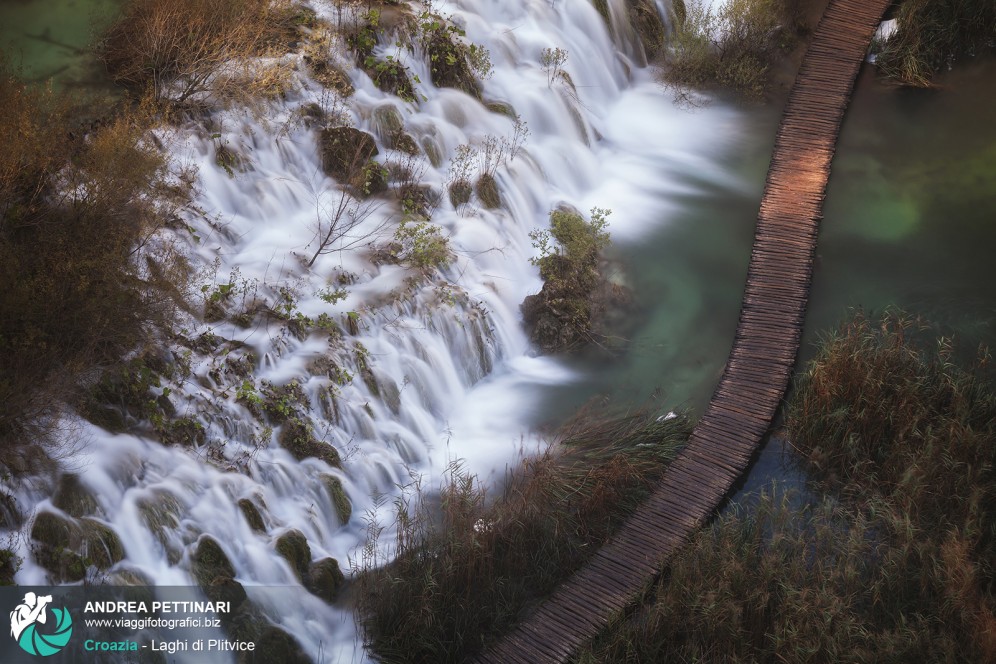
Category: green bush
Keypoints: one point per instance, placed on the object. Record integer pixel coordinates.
(560, 317)
(732, 47)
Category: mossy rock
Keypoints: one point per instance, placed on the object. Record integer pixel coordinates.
(460, 193)
(225, 589)
(448, 66)
(185, 432)
(372, 180)
(209, 562)
(282, 402)
(502, 108)
(161, 514)
(387, 120)
(60, 545)
(276, 645)
(9, 564)
(252, 514)
(297, 438)
(325, 580)
(392, 77)
(330, 75)
(404, 142)
(10, 516)
(345, 151)
(432, 150)
(647, 22)
(293, 547)
(487, 191)
(340, 501)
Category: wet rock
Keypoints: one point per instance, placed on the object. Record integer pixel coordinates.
(325, 580)
(340, 501)
(209, 562)
(345, 151)
(252, 514)
(66, 548)
(297, 438)
(293, 547)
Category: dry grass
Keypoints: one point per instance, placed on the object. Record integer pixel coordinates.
(467, 567)
(182, 49)
(932, 34)
(897, 565)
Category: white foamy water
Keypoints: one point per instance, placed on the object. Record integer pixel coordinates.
(453, 374)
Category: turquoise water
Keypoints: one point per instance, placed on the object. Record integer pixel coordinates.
(909, 220)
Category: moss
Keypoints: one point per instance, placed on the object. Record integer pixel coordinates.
(390, 76)
(9, 564)
(502, 108)
(102, 544)
(281, 402)
(448, 58)
(185, 432)
(345, 151)
(293, 547)
(387, 120)
(297, 438)
(252, 515)
(647, 22)
(487, 191)
(325, 579)
(59, 544)
(340, 501)
(209, 562)
(372, 180)
(403, 142)
(10, 516)
(161, 514)
(460, 193)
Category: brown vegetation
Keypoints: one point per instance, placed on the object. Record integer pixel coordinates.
(463, 576)
(897, 565)
(79, 281)
(180, 48)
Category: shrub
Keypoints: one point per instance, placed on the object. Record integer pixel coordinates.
(80, 283)
(461, 577)
(560, 316)
(179, 48)
(933, 33)
(423, 245)
(731, 47)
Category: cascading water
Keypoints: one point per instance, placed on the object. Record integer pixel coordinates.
(425, 370)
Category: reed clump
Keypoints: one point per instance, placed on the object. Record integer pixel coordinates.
(895, 564)
(931, 34)
(466, 567)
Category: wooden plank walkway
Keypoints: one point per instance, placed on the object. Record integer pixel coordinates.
(757, 371)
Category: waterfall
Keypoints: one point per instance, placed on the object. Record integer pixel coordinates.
(409, 372)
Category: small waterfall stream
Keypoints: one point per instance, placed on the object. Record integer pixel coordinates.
(423, 370)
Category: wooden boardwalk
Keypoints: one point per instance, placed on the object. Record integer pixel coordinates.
(758, 369)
